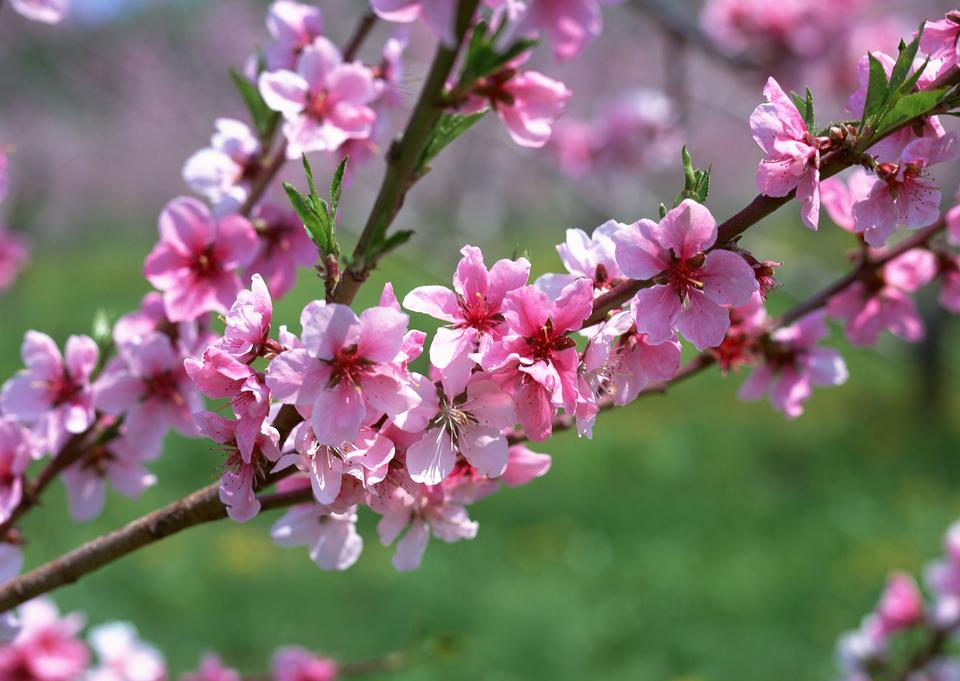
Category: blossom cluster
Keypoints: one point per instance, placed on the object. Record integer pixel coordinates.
(49, 646)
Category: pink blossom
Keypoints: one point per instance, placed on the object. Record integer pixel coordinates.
(421, 512)
(636, 129)
(588, 256)
(212, 669)
(903, 194)
(123, 656)
(569, 24)
(690, 286)
(470, 428)
(297, 664)
(793, 153)
(748, 322)
(839, 197)
(284, 247)
(900, 607)
(438, 15)
(195, 262)
(392, 71)
(527, 103)
(18, 449)
(344, 376)
(572, 143)
(793, 365)
(331, 537)
(537, 361)
(883, 302)
(293, 26)
(119, 461)
(53, 393)
(223, 171)
(190, 338)
(939, 40)
(44, 11)
(472, 310)
(14, 257)
(524, 466)
(47, 647)
(324, 103)
(950, 283)
(147, 383)
(247, 332)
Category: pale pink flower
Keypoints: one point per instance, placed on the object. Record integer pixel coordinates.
(223, 172)
(569, 24)
(195, 262)
(119, 462)
(247, 332)
(527, 103)
(344, 376)
(331, 537)
(901, 606)
(793, 365)
(421, 512)
(147, 383)
(212, 669)
(14, 257)
(293, 26)
(472, 311)
(588, 256)
(839, 197)
(123, 656)
(903, 194)
(572, 144)
(297, 664)
(190, 337)
(883, 302)
(44, 11)
(324, 103)
(690, 286)
(18, 449)
(438, 15)
(524, 466)
(939, 40)
(537, 360)
(53, 393)
(47, 647)
(470, 428)
(793, 153)
(284, 247)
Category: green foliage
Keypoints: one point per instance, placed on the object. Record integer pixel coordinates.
(448, 128)
(696, 182)
(319, 216)
(484, 58)
(264, 118)
(805, 107)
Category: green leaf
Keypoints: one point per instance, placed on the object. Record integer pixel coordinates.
(264, 118)
(336, 186)
(904, 61)
(908, 107)
(313, 223)
(102, 329)
(696, 182)
(877, 90)
(807, 112)
(663, 210)
(449, 128)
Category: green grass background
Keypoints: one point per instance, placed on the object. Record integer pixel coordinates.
(695, 537)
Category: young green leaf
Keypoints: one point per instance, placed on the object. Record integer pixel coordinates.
(877, 91)
(336, 186)
(264, 118)
(904, 61)
(449, 128)
(908, 107)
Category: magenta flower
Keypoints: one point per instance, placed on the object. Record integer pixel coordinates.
(195, 262)
(324, 103)
(939, 40)
(344, 376)
(53, 393)
(247, 332)
(298, 664)
(18, 449)
(884, 301)
(44, 11)
(536, 360)
(901, 606)
(331, 537)
(569, 24)
(589, 256)
(14, 257)
(223, 171)
(212, 669)
(438, 15)
(284, 247)
(47, 647)
(119, 462)
(793, 154)
(472, 311)
(903, 194)
(527, 103)
(690, 286)
(148, 383)
(293, 26)
(793, 365)
(123, 656)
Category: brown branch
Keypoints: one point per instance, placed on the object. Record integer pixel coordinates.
(360, 33)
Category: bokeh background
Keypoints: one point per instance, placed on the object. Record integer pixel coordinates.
(694, 538)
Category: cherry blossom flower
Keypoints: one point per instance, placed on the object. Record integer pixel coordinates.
(47, 647)
(588, 256)
(839, 197)
(293, 26)
(53, 393)
(536, 360)
(190, 337)
(212, 669)
(343, 377)
(569, 24)
(793, 365)
(297, 664)
(44, 11)
(748, 322)
(223, 171)
(247, 332)
(438, 15)
(147, 383)
(901, 605)
(939, 40)
(903, 194)
(18, 448)
(284, 247)
(123, 656)
(690, 286)
(793, 153)
(195, 262)
(14, 257)
(119, 461)
(331, 537)
(472, 310)
(324, 103)
(524, 466)
(883, 301)
(527, 103)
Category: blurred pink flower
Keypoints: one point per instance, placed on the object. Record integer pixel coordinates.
(298, 664)
(293, 26)
(47, 647)
(839, 197)
(18, 449)
(569, 24)
(45, 11)
(223, 171)
(438, 15)
(122, 656)
(939, 40)
(212, 669)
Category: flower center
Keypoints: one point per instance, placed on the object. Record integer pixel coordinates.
(548, 342)
(477, 313)
(683, 276)
(206, 265)
(348, 365)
